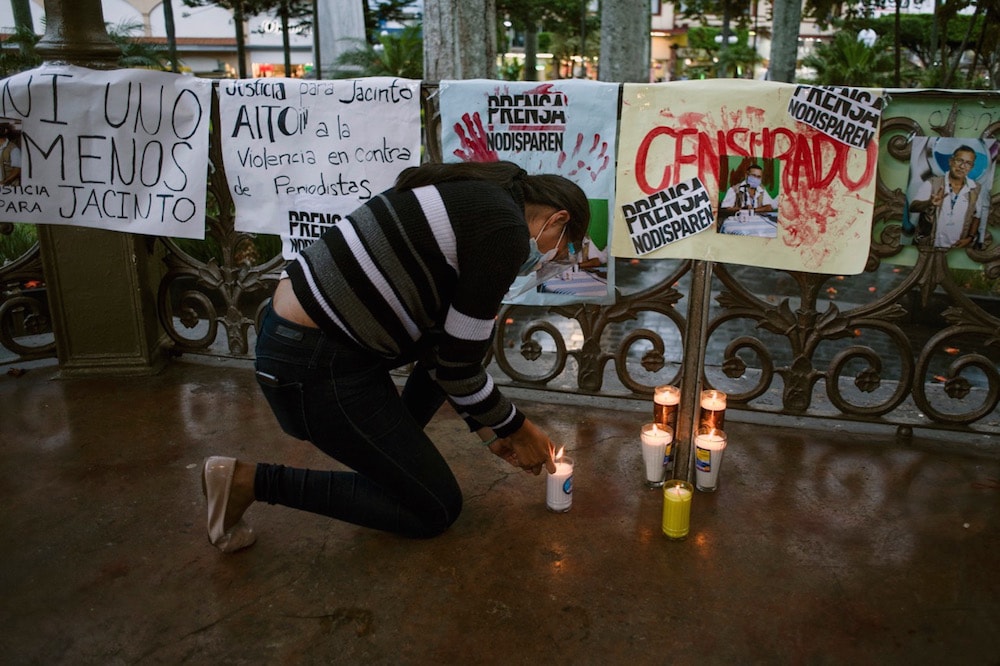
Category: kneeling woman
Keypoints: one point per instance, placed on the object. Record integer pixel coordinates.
(416, 275)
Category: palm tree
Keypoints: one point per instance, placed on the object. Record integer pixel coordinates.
(23, 57)
(394, 55)
(136, 53)
(849, 62)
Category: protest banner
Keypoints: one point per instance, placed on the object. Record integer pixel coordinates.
(123, 150)
(788, 173)
(302, 154)
(565, 127)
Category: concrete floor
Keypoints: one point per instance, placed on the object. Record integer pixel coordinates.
(819, 548)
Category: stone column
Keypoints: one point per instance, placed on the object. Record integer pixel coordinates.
(625, 41)
(460, 39)
(340, 27)
(101, 284)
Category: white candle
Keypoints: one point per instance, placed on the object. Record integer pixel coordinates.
(713, 404)
(713, 409)
(709, 448)
(666, 395)
(657, 447)
(559, 486)
(665, 401)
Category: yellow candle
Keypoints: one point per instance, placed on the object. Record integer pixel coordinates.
(677, 508)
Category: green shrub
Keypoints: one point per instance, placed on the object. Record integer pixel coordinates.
(21, 239)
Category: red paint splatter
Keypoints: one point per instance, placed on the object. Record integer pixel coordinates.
(593, 161)
(542, 89)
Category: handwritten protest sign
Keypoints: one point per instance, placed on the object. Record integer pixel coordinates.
(564, 127)
(788, 170)
(300, 155)
(124, 150)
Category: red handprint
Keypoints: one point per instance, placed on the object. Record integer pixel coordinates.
(597, 154)
(474, 146)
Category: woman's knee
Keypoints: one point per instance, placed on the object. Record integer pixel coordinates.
(437, 522)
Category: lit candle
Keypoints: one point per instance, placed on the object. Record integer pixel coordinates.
(677, 508)
(657, 452)
(709, 446)
(665, 401)
(713, 409)
(559, 486)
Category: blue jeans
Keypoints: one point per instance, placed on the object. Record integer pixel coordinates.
(327, 390)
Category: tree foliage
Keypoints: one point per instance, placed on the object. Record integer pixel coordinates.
(568, 26)
(399, 55)
(18, 59)
(136, 53)
(383, 12)
(736, 60)
(287, 10)
(849, 62)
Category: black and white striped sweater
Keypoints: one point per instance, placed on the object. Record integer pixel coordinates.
(421, 271)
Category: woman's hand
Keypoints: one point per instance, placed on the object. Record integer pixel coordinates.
(529, 448)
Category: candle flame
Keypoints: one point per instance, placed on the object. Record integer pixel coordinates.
(559, 453)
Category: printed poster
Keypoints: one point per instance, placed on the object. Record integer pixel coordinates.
(748, 172)
(302, 154)
(948, 196)
(123, 150)
(565, 127)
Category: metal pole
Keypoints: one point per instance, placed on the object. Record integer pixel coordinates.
(693, 366)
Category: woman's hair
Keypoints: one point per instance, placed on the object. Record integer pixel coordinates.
(541, 189)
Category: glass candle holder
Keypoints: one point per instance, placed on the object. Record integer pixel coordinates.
(677, 508)
(657, 452)
(665, 401)
(559, 486)
(713, 409)
(709, 445)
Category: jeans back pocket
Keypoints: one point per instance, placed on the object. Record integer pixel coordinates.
(286, 401)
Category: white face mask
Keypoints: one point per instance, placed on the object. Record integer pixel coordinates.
(535, 258)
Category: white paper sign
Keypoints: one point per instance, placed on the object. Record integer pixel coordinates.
(301, 154)
(124, 150)
(850, 115)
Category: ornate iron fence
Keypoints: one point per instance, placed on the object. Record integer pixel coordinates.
(906, 343)
(25, 327)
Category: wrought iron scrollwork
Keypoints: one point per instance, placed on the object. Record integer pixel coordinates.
(800, 334)
(193, 290)
(25, 323)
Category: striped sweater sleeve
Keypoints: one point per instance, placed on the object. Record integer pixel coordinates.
(468, 331)
(489, 257)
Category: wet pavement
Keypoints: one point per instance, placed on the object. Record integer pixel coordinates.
(823, 545)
